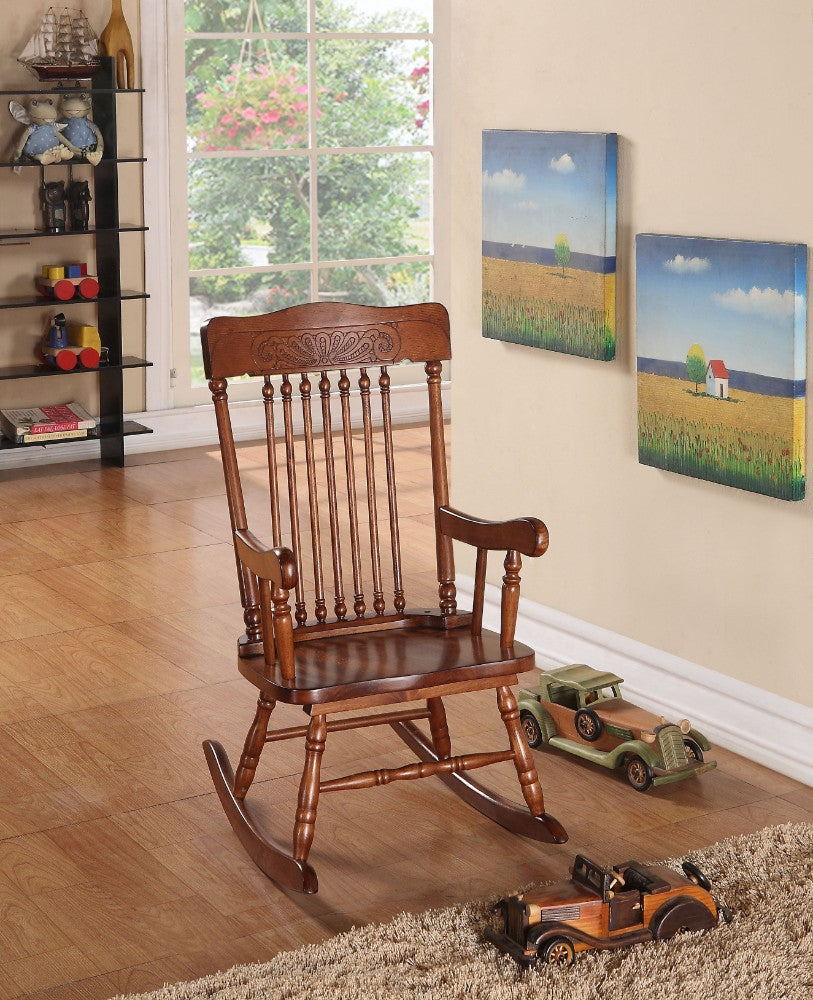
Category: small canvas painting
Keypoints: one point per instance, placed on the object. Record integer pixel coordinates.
(721, 330)
(549, 214)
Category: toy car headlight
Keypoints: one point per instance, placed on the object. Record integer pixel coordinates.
(648, 736)
(685, 726)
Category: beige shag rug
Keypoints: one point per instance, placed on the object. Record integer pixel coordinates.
(765, 953)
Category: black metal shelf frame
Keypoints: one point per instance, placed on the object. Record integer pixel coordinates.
(72, 90)
(12, 235)
(78, 163)
(128, 428)
(47, 302)
(112, 427)
(45, 371)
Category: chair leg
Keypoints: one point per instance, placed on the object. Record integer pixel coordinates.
(438, 727)
(309, 788)
(508, 814)
(270, 858)
(255, 741)
(528, 778)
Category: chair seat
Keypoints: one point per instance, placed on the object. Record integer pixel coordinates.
(404, 659)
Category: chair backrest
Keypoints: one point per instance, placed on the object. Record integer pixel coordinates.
(317, 349)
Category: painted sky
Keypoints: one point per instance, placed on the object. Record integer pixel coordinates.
(743, 302)
(539, 184)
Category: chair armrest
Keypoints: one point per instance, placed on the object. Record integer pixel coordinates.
(275, 565)
(527, 535)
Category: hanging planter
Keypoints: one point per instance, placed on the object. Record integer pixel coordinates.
(260, 104)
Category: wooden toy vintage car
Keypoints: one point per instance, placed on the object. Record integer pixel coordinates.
(604, 908)
(581, 710)
(65, 282)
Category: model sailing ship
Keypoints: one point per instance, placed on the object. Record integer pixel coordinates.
(64, 47)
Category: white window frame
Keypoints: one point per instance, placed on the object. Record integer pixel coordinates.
(162, 32)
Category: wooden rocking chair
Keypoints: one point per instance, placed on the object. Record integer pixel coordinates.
(365, 656)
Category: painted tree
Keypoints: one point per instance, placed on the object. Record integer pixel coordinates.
(696, 365)
(561, 250)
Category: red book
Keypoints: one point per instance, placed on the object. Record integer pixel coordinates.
(16, 424)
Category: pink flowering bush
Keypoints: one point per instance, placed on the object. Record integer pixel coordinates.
(254, 108)
(420, 81)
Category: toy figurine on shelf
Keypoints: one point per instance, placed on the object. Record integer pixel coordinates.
(117, 42)
(66, 348)
(52, 200)
(42, 140)
(79, 205)
(55, 340)
(79, 130)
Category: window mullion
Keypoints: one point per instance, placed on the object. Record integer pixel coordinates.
(314, 177)
(304, 36)
(305, 273)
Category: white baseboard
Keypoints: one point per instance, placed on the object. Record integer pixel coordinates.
(193, 426)
(752, 722)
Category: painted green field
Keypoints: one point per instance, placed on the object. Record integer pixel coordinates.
(748, 443)
(571, 312)
(555, 326)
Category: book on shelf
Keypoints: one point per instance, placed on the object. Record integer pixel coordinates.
(81, 432)
(40, 420)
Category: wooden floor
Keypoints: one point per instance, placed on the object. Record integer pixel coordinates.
(118, 870)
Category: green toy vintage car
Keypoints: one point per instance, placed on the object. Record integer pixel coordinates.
(581, 710)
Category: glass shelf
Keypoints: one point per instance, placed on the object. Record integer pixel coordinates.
(130, 428)
(45, 301)
(46, 371)
(13, 234)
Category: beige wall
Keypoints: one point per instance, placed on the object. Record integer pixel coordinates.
(711, 102)
(19, 209)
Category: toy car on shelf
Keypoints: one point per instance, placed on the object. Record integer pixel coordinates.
(581, 710)
(65, 346)
(65, 282)
(604, 908)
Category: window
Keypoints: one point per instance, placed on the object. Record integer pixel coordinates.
(307, 161)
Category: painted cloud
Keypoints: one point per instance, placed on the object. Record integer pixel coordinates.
(686, 265)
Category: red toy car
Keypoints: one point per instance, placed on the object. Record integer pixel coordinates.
(65, 282)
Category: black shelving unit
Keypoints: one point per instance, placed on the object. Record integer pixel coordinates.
(112, 428)
(28, 301)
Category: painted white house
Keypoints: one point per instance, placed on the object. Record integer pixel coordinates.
(717, 379)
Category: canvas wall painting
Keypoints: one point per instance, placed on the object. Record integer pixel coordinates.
(549, 232)
(721, 337)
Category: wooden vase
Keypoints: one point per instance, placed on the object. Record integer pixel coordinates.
(116, 41)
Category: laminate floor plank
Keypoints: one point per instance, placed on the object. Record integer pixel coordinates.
(107, 534)
(118, 868)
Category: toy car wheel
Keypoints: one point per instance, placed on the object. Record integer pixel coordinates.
(65, 360)
(88, 288)
(588, 724)
(693, 874)
(693, 750)
(684, 915)
(639, 773)
(89, 357)
(559, 951)
(533, 734)
(64, 290)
